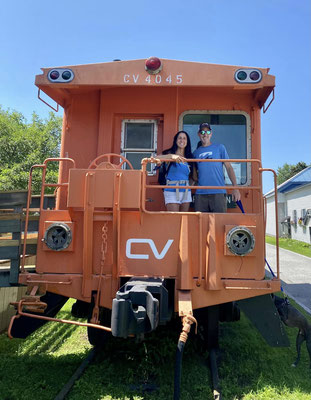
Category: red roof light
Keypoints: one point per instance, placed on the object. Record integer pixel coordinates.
(153, 65)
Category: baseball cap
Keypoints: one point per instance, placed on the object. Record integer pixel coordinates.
(205, 125)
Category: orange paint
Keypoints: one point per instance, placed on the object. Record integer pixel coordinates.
(143, 239)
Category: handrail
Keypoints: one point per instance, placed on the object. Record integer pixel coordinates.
(43, 101)
(27, 213)
(265, 109)
(43, 186)
(56, 185)
(20, 313)
(153, 160)
(276, 218)
(144, 163)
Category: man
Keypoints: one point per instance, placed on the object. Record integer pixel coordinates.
(212, 174)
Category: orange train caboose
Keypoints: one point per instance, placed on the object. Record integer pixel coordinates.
(109, 243)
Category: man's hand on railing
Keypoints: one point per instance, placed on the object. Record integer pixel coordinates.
(236, 196)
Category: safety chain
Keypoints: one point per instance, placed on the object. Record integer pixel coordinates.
(104, 245)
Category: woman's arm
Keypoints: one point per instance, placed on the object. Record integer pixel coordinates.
(175, 157)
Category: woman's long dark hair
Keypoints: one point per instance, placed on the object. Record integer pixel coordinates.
(188, 152)
(172, 150)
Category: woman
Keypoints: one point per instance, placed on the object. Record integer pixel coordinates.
(178, 173)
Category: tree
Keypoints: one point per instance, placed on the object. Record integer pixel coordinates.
(288, 170)
(24, 144)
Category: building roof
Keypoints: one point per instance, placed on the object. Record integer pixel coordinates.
(302, 178)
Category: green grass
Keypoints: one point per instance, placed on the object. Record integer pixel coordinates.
(291, 244)
(38, 367)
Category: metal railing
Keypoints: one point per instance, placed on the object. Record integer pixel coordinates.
(145, 186)
(43, 186)
(260, 170)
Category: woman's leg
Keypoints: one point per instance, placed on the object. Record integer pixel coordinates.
(184, 207)
(172, 207)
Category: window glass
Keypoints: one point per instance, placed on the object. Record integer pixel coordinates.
(135, 159)
(138, 141)
(228, 129)
(138, 135)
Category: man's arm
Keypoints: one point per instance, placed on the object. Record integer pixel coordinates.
(235, 193)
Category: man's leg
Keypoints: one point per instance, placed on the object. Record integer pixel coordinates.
(218, 203)
(201, 202)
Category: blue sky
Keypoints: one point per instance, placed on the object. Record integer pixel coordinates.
(270, 33)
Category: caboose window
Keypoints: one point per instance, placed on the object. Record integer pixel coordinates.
(139, 139)
(230, 129)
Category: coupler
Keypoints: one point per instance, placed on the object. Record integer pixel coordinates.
(139, 307)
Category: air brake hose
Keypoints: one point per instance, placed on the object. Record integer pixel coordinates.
(178, 362)
(187, 321)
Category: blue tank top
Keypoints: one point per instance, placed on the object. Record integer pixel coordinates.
(178, 172)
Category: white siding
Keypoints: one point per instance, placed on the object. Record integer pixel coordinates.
(282, 210)
(270, 219)
(297, 199)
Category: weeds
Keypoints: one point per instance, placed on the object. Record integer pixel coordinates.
(38, 367)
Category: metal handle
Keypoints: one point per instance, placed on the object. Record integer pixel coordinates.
(43, 101)
(266, 108)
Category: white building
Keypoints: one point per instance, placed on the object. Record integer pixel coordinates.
(294, 208)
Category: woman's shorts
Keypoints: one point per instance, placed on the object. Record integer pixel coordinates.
(170, 197)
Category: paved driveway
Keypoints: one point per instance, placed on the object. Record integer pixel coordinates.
(295, 271)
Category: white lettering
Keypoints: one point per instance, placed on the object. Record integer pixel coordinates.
(158, 256)
(127, 78)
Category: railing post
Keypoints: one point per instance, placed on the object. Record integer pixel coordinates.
(276, 218)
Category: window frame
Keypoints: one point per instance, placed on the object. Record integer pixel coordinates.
(248, 133)
(152, 150)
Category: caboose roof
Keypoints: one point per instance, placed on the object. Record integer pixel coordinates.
(132, 73)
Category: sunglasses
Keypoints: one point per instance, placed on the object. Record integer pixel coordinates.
(205, 132)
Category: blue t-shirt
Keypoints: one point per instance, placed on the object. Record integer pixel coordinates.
(177, 172)
(211, 173)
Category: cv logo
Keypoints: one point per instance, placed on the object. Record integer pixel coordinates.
(152, 246)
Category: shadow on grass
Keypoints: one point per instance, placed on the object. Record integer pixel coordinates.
(29, 369)
(128, 370)
(247, 366)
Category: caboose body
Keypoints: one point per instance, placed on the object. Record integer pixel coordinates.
(109, 243)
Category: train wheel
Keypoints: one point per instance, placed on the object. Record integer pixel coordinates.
(208, 325)
(229, 312)
(80, 309)
(98, 337)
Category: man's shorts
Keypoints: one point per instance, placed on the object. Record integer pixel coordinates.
(210, 202)
(171, 197)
